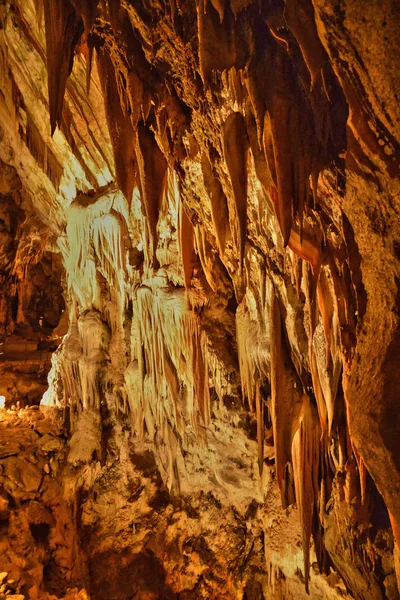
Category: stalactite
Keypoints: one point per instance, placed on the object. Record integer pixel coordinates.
(362, 473)
(327, 377)
(310, 286)
(239, 5)
(277, 386)
(87, 9)
(120, 127)
(201, 252)
(287, 399)
(319, 395)
(167, 356)
(152, 168)
(88, 54)
(91, 227)
(305, 247)
(261, 164)
(246, 364)
(200, 377)
(305, 455)
(42, 153)
(186, 243)
(359, 121)
(217, 50)
(106, 237)
(114, 7)
(326, 307)
(171, 446)
(296, 272)
(219, 374)
(260, 429)
(219, 205)
(251, 342)
(64, 28)
(235, 145)
(235, 81)
(220, 7)
(166, 110)
(173, 382)
(16, 97)
(350, 488)
(295, 124)
(345, 314)
(279, 111)
(299, 16)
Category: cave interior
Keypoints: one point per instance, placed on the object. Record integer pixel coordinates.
(199, 299)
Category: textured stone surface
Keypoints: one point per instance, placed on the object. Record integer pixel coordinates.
(37, 537)
(224, 199)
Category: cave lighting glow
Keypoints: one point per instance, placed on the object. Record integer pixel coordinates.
(2, 401)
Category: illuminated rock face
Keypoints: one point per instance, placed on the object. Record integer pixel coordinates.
(223, 189)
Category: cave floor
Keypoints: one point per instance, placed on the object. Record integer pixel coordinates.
(109, 529)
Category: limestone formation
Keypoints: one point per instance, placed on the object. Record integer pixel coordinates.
(200, 206)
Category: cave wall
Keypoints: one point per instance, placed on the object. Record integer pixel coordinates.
(221, 178)
(31, 269)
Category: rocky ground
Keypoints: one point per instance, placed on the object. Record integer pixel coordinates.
(37, 537)
(80, 518)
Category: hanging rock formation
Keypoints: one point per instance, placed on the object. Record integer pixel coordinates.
(214, 185)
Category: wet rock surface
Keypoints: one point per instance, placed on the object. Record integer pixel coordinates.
(214, 186)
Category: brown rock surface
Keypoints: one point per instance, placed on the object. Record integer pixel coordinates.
(213, 188)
